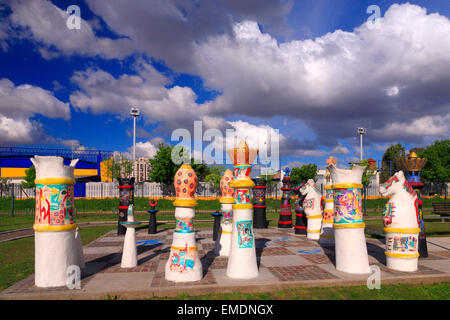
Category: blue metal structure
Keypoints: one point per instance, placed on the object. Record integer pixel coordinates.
(17, 158)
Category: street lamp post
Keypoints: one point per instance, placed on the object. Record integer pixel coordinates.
(134, 113)
(361, 131)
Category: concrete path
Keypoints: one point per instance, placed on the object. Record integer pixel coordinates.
(284, 260)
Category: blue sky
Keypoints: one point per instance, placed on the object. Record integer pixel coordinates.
(314, 70)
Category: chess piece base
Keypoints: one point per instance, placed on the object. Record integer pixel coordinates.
(54, 252)
(242, 263)
(351, 250)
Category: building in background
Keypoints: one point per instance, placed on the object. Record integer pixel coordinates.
(142, 166)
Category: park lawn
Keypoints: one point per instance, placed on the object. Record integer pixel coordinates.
(433, 228)
(435, 291)
(17, 256)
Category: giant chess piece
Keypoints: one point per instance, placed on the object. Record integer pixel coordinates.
(184, 263)
(242, 262)
(285, 220)
(327, 233)
(57, 241)
(350, 241)
(223, 243)
(129, 253)
(300, 216)
(401, 221)
(126, 197)
(259, 204)
(312, 206)
(413, 165)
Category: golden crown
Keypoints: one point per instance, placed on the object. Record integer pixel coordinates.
(412, 162)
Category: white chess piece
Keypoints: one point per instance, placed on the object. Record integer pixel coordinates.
(350, 240)
(401, 221)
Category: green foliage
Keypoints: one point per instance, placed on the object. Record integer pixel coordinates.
(3, 185)
(119, 166)
(201, 170)
(368, 172)
(269, 179)
(304, 173)
(437, 168)
(30, 176)
(162, 167)
(214, 175)
(391, 155)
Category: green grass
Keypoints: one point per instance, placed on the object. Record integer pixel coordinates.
(386, 292)
(433, 228)
(17, 256)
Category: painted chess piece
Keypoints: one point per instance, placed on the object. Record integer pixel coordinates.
(401, 224)
(285, 220)
(327, 233)
(126, 197)
(184, 263)
(242, 263)
(350, 241)
(412, 166)
(223, 242)
(57, 240)
(129, 253)
(312, 206)
(259, 204)
(300, 216)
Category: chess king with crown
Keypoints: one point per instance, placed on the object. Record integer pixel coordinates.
(242, 262)
(184, 263)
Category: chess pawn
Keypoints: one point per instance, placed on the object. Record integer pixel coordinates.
(242, 263)
(401, 222)
(57, 242)
(184, 263)
(223, 242)
(129, 254)
(350, 241)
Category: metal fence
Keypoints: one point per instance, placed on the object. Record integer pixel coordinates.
(205, 190)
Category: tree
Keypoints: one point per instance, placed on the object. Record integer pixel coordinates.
(201, 170)
(3, 186)
(118, 167)
(304, 173)
(390, 161)
(369, 172)
(162, 168)
(30, 176)
(437, 168)
(215, 175)
(268, 178)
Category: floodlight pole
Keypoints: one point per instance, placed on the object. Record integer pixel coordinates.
(361, 131)
(134, 113)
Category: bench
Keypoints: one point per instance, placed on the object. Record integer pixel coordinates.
(442, 208)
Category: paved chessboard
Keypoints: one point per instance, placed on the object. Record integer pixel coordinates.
(284, 259)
